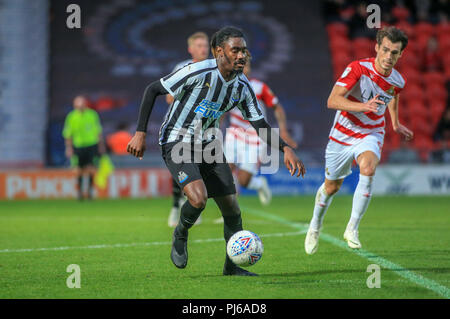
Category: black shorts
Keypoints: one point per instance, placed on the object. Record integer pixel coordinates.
(217, 177)
(86, 155)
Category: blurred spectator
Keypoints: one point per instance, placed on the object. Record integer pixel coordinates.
(442, 137)
(405, 154)
(439, 11)
(358, 23)
(431, 58)
(442, 133)
(333, 10)
(117, 142)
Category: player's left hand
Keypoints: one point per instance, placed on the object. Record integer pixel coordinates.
(288, 139)
(293, 163)
(403, 130)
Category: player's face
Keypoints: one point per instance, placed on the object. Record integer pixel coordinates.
(233, 54)
(388, 53)
(199, 49)
(79, 103)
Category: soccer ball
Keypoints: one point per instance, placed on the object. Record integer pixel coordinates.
(245, 248)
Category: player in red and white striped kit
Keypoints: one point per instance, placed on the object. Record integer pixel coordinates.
(361, 96)
(242, 144)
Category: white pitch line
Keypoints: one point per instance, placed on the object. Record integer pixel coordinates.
(154, 243)
(399, 270)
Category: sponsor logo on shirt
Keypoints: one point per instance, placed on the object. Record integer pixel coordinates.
(208, 109)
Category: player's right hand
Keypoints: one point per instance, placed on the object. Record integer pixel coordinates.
(69, 152)
(136, 146)
(372, 105)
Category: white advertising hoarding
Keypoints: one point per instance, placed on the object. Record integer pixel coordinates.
(412, 180)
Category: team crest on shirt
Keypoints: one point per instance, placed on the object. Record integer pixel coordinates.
(391, 91)
(235, 97)
(182, 176)
(346, 72)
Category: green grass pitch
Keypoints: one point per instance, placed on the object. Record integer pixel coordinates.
(123, 249)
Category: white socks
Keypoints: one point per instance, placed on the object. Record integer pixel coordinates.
(256, 182)
(323, 201)
(361, 200)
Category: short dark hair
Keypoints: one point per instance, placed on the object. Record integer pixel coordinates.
(224, 34)
(394, 35)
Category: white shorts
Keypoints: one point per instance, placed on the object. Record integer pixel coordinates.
(242, 154)
(339, 158)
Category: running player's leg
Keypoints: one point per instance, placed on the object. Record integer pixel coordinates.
(338, 160)
(80, 174)
(197, 197)
(248, 172)
(174, 215)
(231, 213)
(367, 162)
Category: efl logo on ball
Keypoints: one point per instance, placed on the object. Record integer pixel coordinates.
(245, 248)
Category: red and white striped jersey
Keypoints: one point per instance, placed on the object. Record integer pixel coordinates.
(242, 129)
(364, 82)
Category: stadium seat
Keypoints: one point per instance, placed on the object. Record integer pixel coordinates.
(406, 27)
(436, 92)
(412, 75)
(413, 92)
(442, 28)
(337, 28)
(340, 44)
(410, 59)
(424, 28)
(422, 127)
(400, 13)
(444, 45)
(415, 109)
(433, 78)
(362, 48)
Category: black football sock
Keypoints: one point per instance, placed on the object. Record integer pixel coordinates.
(231, 225)
(90, 185)
(189, 214)
(176, 191)
(80, 187)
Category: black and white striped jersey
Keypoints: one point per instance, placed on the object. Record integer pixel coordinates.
(202, 96)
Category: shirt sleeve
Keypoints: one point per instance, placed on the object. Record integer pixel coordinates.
(175, 81)
(249, 107)
(67, 130)
(350, 76)
(268, 97)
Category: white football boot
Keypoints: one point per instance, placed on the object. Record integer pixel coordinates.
(312, 241)
(264, 193)
(351, 236)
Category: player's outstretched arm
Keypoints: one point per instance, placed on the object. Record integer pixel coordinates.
(292, 162)
(396, 125)
(280, 116)
(338, 101)
(136, 146)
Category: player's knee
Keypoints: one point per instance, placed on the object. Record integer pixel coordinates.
(332, 188)
(198, 200)
(367, 170)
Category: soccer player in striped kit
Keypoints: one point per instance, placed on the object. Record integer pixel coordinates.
(361, 96)
(203, 91)
(242, 144)
(198, 48)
